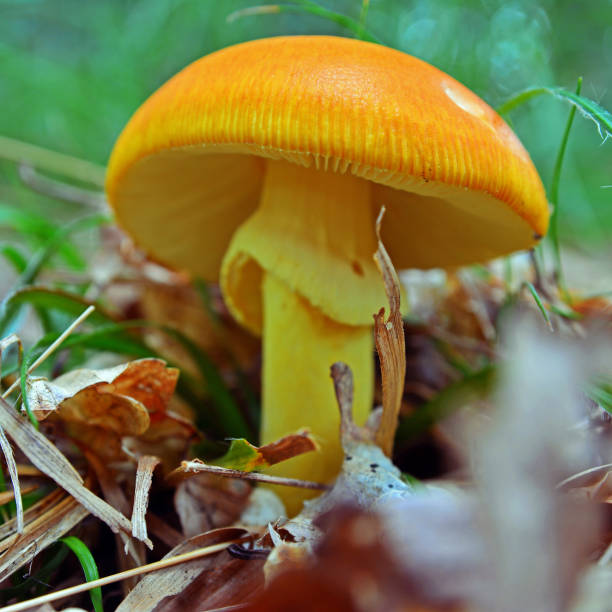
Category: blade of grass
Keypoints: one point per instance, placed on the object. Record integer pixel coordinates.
(540, 304)
(587, 107)
(553, 231)
(38, 229)
(9, 312)
(90, 569)
(311, 8)
(15, 257)
(31, 362)
(601, 394)
(363, 14)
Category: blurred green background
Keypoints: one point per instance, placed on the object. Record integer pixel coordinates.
(73, 71)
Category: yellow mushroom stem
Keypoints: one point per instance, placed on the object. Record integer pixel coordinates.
(300, 272)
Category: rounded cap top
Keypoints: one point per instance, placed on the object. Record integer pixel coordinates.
(187, 170)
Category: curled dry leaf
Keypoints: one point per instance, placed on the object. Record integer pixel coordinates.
(121, 399)
(101, 408)
(9, 458)
(391, 348)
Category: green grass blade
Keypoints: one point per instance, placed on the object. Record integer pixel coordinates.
(37, 262)
(90, 569)
(10, 312)
(540, 304)
(586, 107)
(38, 229)
(553, 231)
(363, 14)
(601, 393)
(15, 257)
(307, 7)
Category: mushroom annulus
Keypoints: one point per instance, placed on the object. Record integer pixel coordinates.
(262, 166)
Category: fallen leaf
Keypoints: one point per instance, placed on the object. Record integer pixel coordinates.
(244, 456)
(121, 399)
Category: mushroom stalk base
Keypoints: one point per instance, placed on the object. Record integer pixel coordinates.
(300, 345)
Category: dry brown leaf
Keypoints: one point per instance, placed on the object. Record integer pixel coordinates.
(47, 458)
(144, 477)
(391, 348)
(159, 590)
(39, 533)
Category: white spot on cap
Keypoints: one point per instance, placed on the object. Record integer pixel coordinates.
(465, 102)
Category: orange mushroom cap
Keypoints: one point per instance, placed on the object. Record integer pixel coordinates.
(187, 170)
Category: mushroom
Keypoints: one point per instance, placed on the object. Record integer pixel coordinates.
(263, 165)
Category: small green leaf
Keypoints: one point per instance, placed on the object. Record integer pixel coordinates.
(90, 569)
(243, 456)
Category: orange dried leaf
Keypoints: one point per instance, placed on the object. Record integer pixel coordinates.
(120, 399)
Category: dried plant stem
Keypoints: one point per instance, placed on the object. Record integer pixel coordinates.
(59, 190)
(51, 161)
(137, 571)
(11, 465)
(391, 347)
(53, 346)
(198, 466)
(598, 468)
